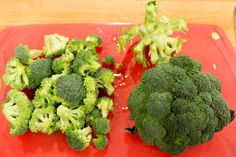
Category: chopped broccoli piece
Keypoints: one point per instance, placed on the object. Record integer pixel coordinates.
(105, 104)
(105, 78)
(25, 55)
(118, 66)
(71, 89)
(94, 39)
(70, 118)
(17, 109)
(100, 142)
(44, 95)
(79, 139)
(54, 44)
(176, 106)
(96, 113)
(62, 65)
(85, 63)
(75, 46)
(109, 60)
(101, 126)
(154, 33)
(16, 75)
(44, 120)
(39, 70)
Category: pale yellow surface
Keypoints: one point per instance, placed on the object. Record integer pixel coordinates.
(20, 12)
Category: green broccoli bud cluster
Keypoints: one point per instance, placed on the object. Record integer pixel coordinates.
(176, 106)
(66, 76)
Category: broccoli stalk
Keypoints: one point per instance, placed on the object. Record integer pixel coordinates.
(154, 33)
(70, 118)
(17, 109)
(16, 75)
(100, 142)
(79, 139)
(105, 104)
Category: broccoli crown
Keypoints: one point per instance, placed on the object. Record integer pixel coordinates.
(109, 60)
(100, 142)
(70, 118)
(71, 89)
(16, 75)
(44, 95)
(94, 39)
(79, 139)
(85, 63)
(105, 104)
(101, 125)
(54, 44)
(176, 106)
(62, 65)
(105, 78)
(44, 120)
(17, 109)
(39, 70)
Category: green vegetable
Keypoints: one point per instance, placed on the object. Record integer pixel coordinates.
(105, 104)
(101, 126)
(176, 106)
(54, 44)
(100, 142)
(44, 120)
(109, 60)
(25, 55)
(17, 109)
(105, 78)
(79, 139)
(94, 39)
(154, 33)
(16, 75)
(37, 71)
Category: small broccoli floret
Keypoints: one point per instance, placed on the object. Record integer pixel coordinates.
(71, 89)
(94, 39)
(100, 142)
(25, 55)
(44, 120)
(101, 126)
(109, 60)
(16, 75)
(75, 46)
(44, 95)
(105, 78)
(90, 99)
(105, 104)
(70, 119)
(96, 113)
(176, 106)
(54, 44)
(17, 109)
(62, 65)
(79, 139)
(39, 70)
(85, 63)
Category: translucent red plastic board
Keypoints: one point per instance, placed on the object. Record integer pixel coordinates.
(216, 56)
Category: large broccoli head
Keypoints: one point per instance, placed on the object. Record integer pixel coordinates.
(176, 106)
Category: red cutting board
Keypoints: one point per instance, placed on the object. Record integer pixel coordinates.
(217, 57)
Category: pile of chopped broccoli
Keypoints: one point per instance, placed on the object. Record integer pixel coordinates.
(155, 34)
(66, 76)
(176, 105)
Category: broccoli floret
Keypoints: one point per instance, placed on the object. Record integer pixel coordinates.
(176, 105)
(94, 39)
(75, 46)
(62, 65)
(156, 34)
(109, 60)
(70, 119)
(25, 55)
(79, 139)
(54, 44)
(17, 109)
(100, 142)
(44, 95)
(16, 75)
(85, 63)
(39, 70)
(105, 104)
(96, 113)
(90, 99)
(70, 88)
(44, 120)
(105, 78)
(101, 126)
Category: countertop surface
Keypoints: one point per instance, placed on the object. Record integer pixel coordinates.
(15, 12)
